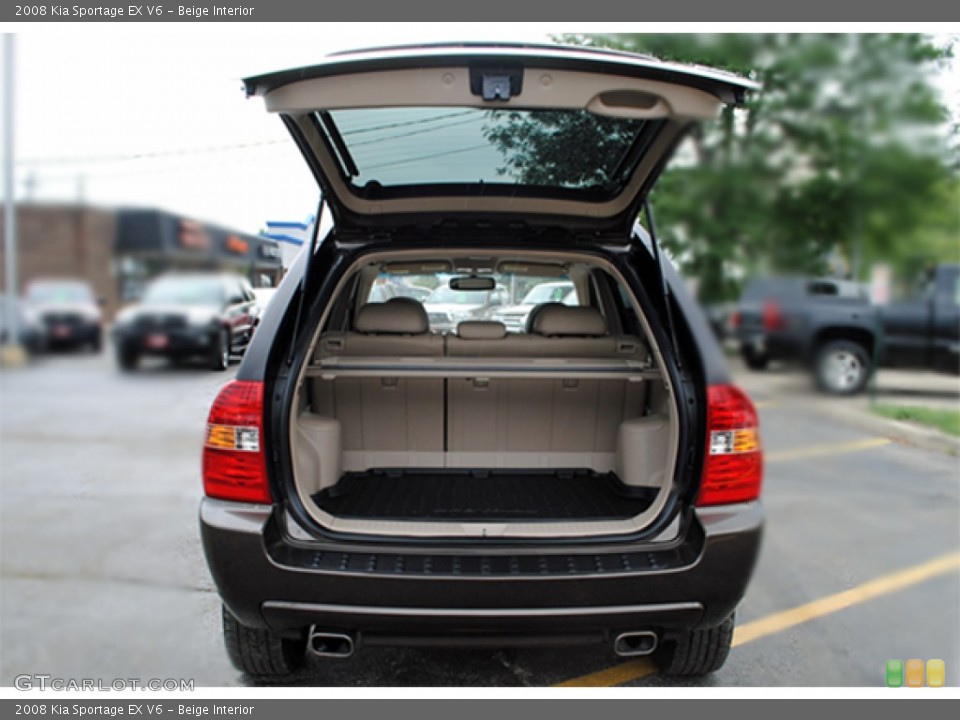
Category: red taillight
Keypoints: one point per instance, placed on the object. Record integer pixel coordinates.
(772, 318)
(733, 470)
(735, 319)
(233, 457)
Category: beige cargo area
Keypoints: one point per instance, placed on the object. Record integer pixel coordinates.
(567, 430)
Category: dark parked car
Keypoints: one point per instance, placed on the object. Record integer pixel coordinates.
(371, 482)
(31, 333)
(187, 315)
(831, 326)
(69, 311)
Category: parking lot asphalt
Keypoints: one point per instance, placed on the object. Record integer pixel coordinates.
(794, 386)
(102, 575)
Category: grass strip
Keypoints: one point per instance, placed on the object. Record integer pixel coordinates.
(947, 421)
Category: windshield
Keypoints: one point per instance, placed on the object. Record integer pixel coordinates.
(184, 291)
(558, 149)
(445, 306)
(547, 293)
(59, 293)
(448, 295)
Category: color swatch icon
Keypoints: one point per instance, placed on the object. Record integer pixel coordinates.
(935, 673)
(914, 671)
(894, 673)
(911, 673)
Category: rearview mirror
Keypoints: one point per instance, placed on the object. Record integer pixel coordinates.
(472, 283)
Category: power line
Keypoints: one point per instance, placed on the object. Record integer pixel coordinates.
(213, 149)
(396, 136)
(103, 172)
(210, 149)
(124, 157)
(432, 156)
(405, 123)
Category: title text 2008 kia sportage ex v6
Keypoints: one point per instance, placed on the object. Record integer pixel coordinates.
(592, 476)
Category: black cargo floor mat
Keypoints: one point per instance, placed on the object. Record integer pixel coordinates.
(471, 496)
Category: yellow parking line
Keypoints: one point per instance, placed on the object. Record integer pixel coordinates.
(814, 451)
(825, 606)
(616, 675)
(778, 622)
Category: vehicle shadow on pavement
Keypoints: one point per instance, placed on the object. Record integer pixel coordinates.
(162, 367)
(433, 667)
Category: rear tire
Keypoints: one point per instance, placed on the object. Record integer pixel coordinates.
(260, 652)
(697, 652)
(127, 357)
(220, 356)
(842, 367)
(755, 360)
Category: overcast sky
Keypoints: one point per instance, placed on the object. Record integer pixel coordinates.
(122, 116)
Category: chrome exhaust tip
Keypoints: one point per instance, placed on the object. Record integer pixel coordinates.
(329, 644)
(634, 644)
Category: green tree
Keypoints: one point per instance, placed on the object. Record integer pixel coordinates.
(551, 149)
(842, 154)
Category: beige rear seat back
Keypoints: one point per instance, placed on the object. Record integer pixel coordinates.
(391, 329)
(557, 331)
(581, 332)
(385, 419)
(541, 422)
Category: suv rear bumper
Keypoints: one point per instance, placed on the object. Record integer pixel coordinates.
(516, 596)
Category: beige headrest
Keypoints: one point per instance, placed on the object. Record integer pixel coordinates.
(569, 320)
(481, 330)
(393, 318)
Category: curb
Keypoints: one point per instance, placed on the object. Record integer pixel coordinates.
(792, 389)
(12, 356)
(897, 430)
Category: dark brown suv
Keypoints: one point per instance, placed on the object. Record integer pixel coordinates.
(590, 477)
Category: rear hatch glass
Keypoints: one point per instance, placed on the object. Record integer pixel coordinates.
(570, 151)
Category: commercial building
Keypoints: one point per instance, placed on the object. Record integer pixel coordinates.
(117, 250)
(150, 242)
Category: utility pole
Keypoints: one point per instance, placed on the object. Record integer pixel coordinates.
(11, 353)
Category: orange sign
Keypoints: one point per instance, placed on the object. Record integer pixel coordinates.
(237, 245)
